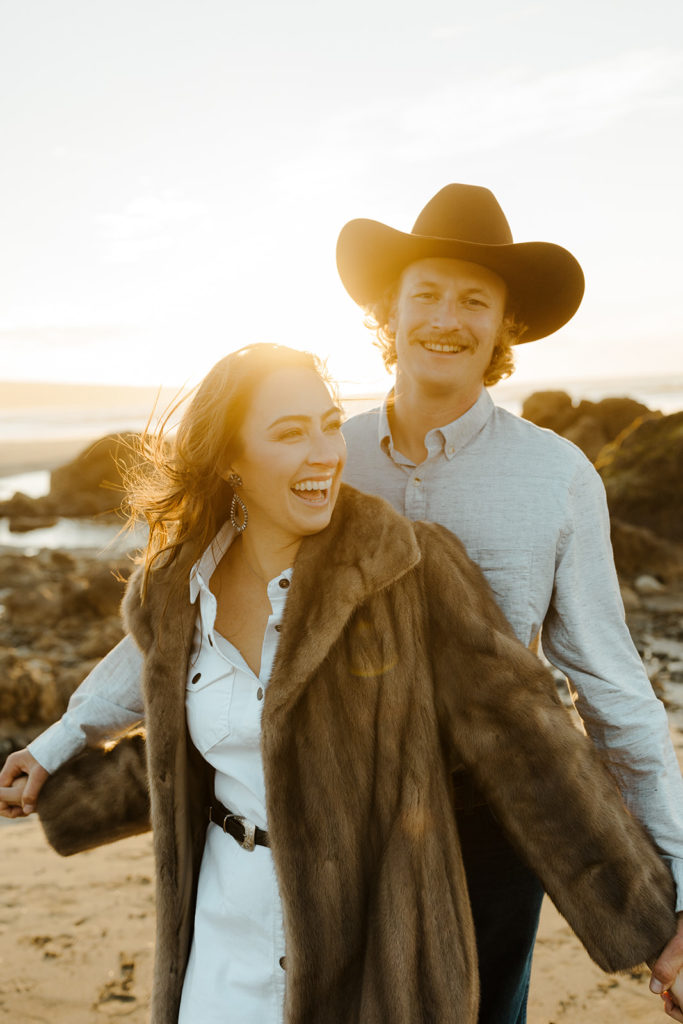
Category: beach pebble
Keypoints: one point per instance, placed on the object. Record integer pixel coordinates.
(646, 584)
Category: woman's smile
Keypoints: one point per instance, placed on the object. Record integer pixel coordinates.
(313, 492)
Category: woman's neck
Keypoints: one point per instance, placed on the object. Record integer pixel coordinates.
(265, 552)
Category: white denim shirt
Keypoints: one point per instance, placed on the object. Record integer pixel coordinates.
(531, 511)
(238, 945)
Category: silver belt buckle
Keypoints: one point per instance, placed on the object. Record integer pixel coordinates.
(249, 841)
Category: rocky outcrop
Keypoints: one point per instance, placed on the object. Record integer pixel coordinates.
(92, 484)
(639, 552)
(643, 475)
(89, 485)
(60, 616)
(590, 425)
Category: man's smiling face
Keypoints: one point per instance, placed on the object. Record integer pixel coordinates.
(446, 320)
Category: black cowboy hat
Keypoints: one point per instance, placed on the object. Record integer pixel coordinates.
(465, 222)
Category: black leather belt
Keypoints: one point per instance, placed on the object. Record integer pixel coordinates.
(242, 831)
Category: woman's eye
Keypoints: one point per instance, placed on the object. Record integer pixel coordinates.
(290, 434)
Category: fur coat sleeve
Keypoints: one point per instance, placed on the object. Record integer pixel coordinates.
(98, 797)
(500, 715)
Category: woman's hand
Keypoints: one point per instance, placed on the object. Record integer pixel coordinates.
(21, 780)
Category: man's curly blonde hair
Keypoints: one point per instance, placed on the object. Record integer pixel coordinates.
(502, 364)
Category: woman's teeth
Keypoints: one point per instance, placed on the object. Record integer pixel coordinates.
(312, 485)
(315, 491)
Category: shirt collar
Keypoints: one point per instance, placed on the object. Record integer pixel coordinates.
(451, 438)
(460, 432)
(204, 567)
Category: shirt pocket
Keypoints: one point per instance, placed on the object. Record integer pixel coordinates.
(208, 704)
(508, 573)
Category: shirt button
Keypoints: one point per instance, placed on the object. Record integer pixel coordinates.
(282, 962)
(196, 677)
(259, 693)
(417, 481)
(278, 628)
(451, 449)
(210, 640)
(284, 584)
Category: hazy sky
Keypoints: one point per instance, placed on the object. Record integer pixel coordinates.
(174, 173)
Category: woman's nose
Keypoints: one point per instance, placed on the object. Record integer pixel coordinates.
(325, 451)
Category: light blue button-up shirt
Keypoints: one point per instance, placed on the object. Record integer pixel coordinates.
(531, 511)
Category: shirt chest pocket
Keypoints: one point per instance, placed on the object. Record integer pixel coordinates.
(208, 703)
(508, 573)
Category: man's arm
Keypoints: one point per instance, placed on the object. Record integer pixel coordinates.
(586, 637)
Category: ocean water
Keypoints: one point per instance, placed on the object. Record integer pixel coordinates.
(105, 540)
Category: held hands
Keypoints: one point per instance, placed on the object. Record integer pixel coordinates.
(673, 998)
(667, 975)
(21, 780)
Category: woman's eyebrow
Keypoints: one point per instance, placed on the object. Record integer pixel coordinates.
(300, 418)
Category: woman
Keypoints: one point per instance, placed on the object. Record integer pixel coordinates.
(310, 668)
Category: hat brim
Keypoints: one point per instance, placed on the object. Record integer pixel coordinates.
(545, 282)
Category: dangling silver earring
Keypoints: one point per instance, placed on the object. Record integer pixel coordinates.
(237, 507)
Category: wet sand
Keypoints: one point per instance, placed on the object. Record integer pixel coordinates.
(76, 943)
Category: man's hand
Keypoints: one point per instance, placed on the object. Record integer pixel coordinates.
(21, 780)
(667, 974)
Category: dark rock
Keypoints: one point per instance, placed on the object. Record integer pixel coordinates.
(588, 434)
(21, 506)
(590, 425)
(23, 524)
(638, 551)
(552, 409)
(100, 640)
(39, 606)
(106, 588)
(643, 475)
(613, 414)
(92, 484)
(60, 616)
(28, 690)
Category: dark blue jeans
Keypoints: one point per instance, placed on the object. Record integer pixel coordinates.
(506, 902)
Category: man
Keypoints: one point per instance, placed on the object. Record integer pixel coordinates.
(448, 301)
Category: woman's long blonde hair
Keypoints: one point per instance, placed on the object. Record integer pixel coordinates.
(176, 485)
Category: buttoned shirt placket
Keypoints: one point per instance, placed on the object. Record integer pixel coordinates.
(242, 967)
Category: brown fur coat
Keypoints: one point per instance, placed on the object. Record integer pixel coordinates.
(395, 666)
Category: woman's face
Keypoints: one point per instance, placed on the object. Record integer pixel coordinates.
(292, 455)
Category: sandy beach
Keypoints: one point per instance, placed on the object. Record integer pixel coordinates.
(76, 942)
(77, 939)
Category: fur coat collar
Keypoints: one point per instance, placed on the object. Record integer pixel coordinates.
(394, 666)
